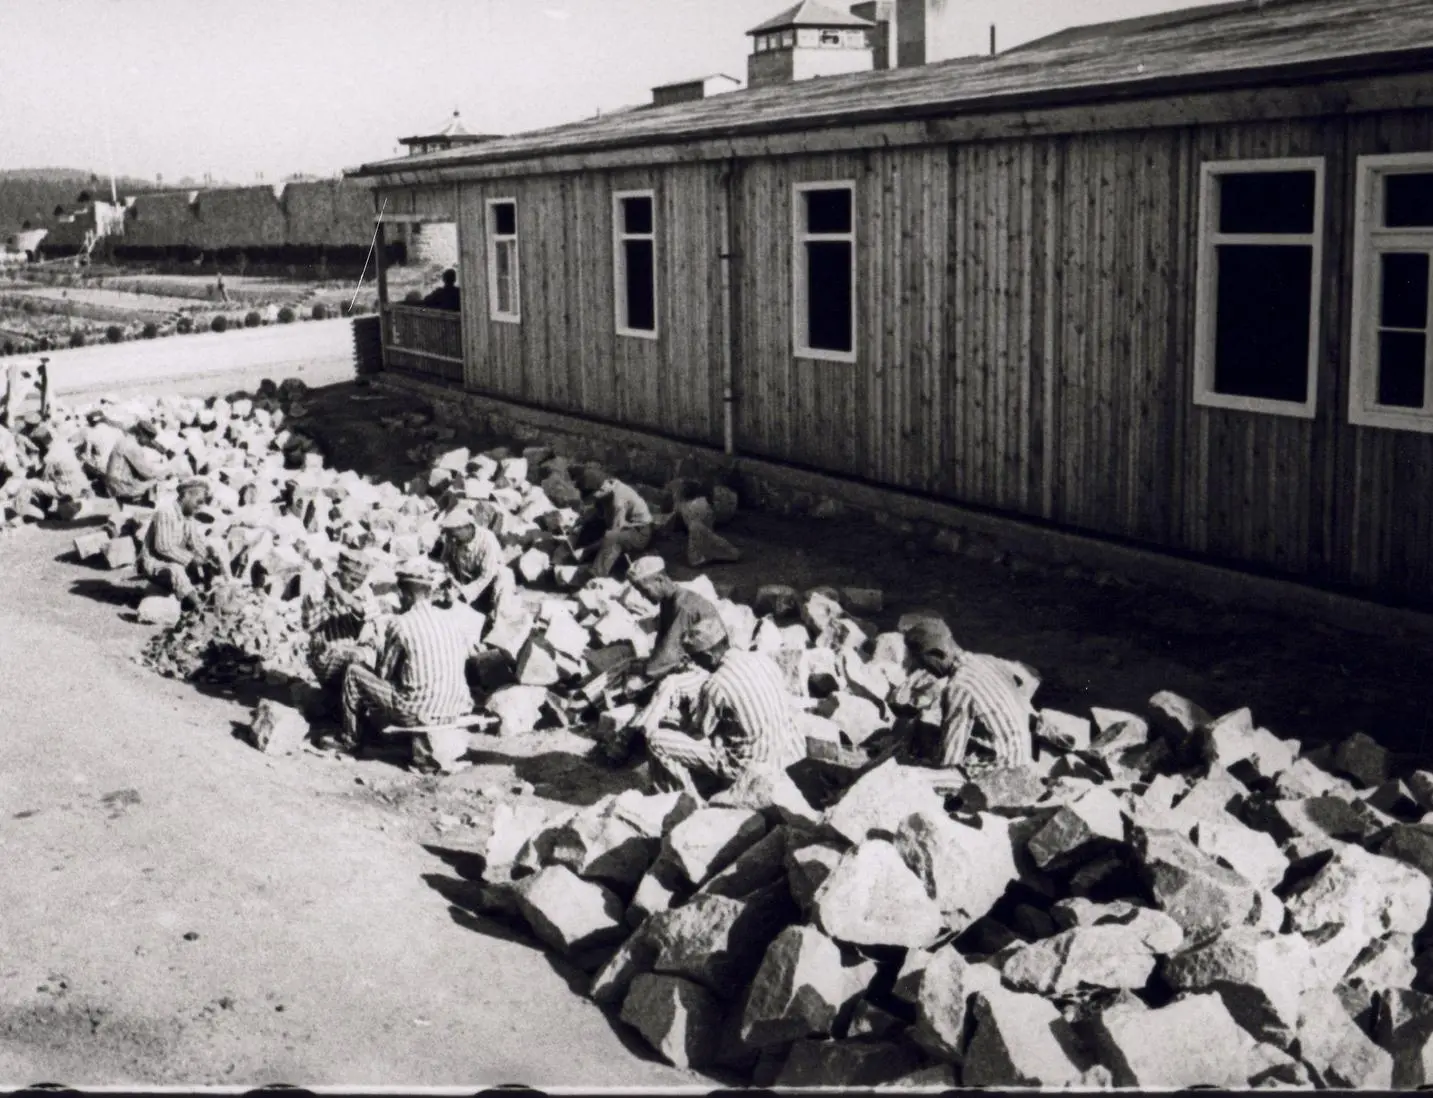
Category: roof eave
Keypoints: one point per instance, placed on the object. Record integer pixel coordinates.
(1302, 72)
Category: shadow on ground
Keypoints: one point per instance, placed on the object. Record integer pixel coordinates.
(560, 775)
(128, 596)
(467, 908)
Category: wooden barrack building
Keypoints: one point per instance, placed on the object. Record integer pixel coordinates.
(1165, 280)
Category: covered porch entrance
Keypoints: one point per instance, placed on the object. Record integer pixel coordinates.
(420, 338)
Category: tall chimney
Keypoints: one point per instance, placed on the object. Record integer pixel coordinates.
(992, 39)
(883, 38)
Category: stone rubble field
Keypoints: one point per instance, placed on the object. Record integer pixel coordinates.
(1163, 899)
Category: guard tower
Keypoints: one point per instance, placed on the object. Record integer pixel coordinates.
(449, 137)
(806, 41)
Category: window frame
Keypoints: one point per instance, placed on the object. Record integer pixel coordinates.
(619, 265)
(830, 39)
(1370, 171)
(1206, 291)
(799, 290)
(494, 238)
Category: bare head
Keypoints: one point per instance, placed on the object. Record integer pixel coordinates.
(450, 277)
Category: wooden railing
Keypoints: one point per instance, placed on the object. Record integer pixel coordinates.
(427, 342)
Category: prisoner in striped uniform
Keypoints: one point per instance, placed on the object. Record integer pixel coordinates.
(745, 719)
(422, 666)
(133, 469)
(174, 554)
(474, 558)
(980, 703)
(336, 620)
(628, 522)
(677, 610)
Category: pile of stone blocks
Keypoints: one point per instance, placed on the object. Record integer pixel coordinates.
(1162, 900)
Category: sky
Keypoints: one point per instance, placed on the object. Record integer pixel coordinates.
(243, 89)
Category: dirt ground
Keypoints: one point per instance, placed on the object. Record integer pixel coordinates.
(129, 802)
(179, 909)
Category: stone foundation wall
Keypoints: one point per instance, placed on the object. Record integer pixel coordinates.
(923, 524)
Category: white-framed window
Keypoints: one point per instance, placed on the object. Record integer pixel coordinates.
(824, 270)
(788, 39)
(634, 256)
(830, 38)
(504, 289)
(1257, 297)
(856, 39)
(1391, 377)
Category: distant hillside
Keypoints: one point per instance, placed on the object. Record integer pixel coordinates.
(31, 194)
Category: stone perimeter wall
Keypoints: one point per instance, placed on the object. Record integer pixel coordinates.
(327, 214)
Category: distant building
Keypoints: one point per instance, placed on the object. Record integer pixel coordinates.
(808, 40)
(702, 88)
(451, 136)
(26, 243)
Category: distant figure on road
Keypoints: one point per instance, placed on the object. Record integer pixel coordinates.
(174, 553)
(446, 296)
(133, 469)
(422, 665)
(219, 291)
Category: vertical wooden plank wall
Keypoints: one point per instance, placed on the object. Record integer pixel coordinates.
(1025, 340)
(565, 353)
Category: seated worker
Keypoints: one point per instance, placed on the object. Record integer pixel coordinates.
(100, 437)
(63, 475)
(421, 676)
(20, 493)
(174, 554)
(745, 718)
(473, 556)
(626, 522)
(337, 622)
(12, 455)
(678, 610)
(981, 703)
(133, 469)
(446, 296)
